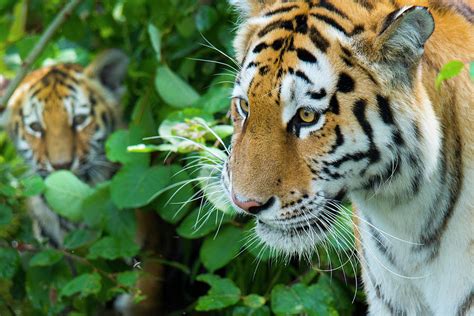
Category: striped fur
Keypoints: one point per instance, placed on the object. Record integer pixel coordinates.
(59, 118)
(381, 135)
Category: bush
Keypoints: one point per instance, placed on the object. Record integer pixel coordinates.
(214, 263)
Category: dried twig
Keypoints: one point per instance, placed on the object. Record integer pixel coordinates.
(38, 49)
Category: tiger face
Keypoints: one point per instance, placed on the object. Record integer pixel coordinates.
(60, 116)
(325, 106)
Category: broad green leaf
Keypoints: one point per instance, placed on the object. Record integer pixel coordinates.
(79, 238)
(286, 301)
(128, 278)
(249, 311)
(116, 149)
(64, 193)
(113, 248)
(215, 100)
(6, 215)
(341, 296)
(85, 285)
(206, 17)
(33, 186)
(449, 70)
(173, 204)
(17, 30)
(46, 258)
(223, 293)
(9, 263)
(155, 38)
(253, 300)
(135, 185)
(219, 250)
(199, 223)
(174, 90)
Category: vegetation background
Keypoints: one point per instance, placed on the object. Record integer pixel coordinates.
(213, 265)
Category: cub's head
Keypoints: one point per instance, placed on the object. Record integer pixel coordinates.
(60, 116)
(327, 103)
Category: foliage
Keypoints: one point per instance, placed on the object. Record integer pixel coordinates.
(177, 103)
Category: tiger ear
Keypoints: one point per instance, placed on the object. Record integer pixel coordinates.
(250, 8)
(402, 36)
(110, 68)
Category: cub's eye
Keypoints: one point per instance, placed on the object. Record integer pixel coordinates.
(36, 127)
(80, 119)
(307, 116)
(242, 107)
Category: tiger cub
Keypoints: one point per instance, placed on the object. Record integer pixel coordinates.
(336, 99)
(59, 119)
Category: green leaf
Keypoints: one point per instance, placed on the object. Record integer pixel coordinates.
(128, 278)
(86, 284)
(254, 300)
(155, 38)
(17, 30)
(206, 17)
(116, 149)
(223, 293)
(200, 223)
(286, 301)
(174, 90)
(46, 258)
(248, 311)
(172, 205)
(449, 70)
(217, 251)
(80, 238)
(113, 248)
(64, 193)
(33, 186)
(471, 69)
(215, 100)
(6, 215)
(135, 185)
(9, 263)
(300, 299)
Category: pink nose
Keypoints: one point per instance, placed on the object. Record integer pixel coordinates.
(251, 206)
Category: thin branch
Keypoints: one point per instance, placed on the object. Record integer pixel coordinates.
(38, 49)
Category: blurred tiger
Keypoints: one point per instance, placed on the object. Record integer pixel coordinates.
(336, 99)
(59, 119)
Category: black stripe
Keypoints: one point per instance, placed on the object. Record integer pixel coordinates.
(467, 304)
(359, 112)
(346, 52)
(286, 25)
(334, 104)
(330, 7)
(305, 56)
(339, 139)
(381, 245)
(317, 95)
(356, 30)
(303, 76)
(367, 4)
(357, 156)
(281, 10)
(318, 39)
(301, 24)
(385, 110)
(263, 70)
(345, 83)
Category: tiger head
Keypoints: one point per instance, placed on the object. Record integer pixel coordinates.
(328, 103)
(60, 116)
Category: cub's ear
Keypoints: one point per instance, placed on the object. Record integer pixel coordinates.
(109, 68)
(250, 8)
(402, 36)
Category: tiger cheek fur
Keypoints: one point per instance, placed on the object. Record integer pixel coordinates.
(336, 99)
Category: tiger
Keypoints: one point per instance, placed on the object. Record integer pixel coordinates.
(335, 100)
(59, 118)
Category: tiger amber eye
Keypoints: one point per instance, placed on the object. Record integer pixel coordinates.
(306, 116)
(244, 106)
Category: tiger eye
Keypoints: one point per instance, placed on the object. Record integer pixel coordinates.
(244, 105)
(80, 119)
(306, 116)
(36, 127)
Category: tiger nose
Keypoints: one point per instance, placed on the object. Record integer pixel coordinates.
(62, 166)
(252, 206)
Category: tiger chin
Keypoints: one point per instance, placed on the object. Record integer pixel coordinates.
(336, 99)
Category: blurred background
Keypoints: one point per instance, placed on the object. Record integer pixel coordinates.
(178, 84)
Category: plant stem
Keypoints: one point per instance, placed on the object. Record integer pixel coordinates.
(37, 50)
